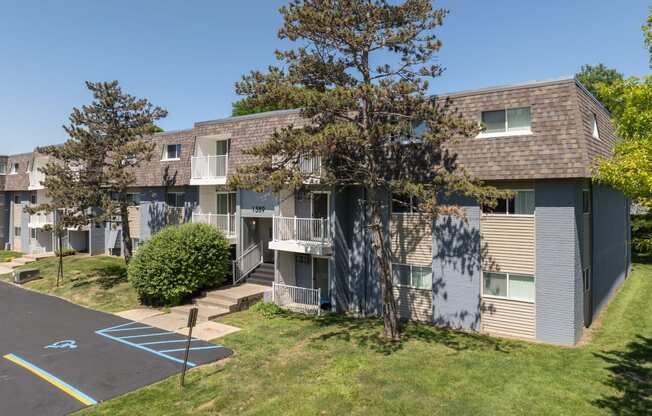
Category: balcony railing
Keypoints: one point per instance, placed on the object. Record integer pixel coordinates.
(40, 220)
(223, 222)
(209, 167)
(305, 230)
(310, 165)
(297, 299)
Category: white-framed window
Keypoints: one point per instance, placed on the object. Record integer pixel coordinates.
(596, 130)
(222, 147)
(133, 198)
(172, 152)
(175, 199)
(510, 121)
(32, 198)
(514, 286)
(33, 233)
(16, 199)
(14, 168)
(16, 231)
(404, 204)
(408, 275)
(522, 203)
(3, 168)
(225, 203)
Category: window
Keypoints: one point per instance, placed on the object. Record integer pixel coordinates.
(3, 168)
(16, 199)
(419, 277)
(586, 201)
(175, 199)
(586, 279)
(16, 231)
(14, 168)
(404, 204)
(33, 233)
(522, 203)
(509, 285)
(222, 147)
(133, 198)
(225, 203)
(596, 131)
(172, 152)
(512, 120)
(32, 198)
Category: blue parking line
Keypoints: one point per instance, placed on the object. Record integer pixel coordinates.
(212, 347)
(156, 334)
(119, 326)
(168, 342)
(126, 329)
(140, 347)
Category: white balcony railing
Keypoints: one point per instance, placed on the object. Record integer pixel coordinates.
(310, 165)
(40, 220)
(209, 167)
(297, 299)
(223, 222)
(307, 230)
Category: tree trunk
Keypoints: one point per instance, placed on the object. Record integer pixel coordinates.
(126, 232)
(381, 253)
(60, 268)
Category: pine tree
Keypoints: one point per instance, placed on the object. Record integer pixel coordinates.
(95, 167)
(360, 75)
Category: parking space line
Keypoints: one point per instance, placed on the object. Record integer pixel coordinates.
(170, 341)
(212, 347)
(139, 346)
(55, 381)
(156, 334)
(127, 329)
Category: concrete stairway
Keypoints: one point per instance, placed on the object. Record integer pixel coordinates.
(262, 275)
(223, 301)
(25, 259)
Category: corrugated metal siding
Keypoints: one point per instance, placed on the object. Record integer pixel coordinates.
(134, 222)
(508, 243)
(414, 304)
(507, 317)
(411, 239)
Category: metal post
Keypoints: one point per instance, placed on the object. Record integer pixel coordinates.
(318, 301)
(192, 320)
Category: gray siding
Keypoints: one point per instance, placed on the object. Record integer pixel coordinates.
(341, 222)
(456, 270)
(558, 268)
(611, 259)
(96, 239)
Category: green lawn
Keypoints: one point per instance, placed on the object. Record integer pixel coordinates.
(295, 365)
(96, 282)
(6, 255)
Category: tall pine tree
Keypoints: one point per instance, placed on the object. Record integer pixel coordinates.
(360, 74)
(95, 167)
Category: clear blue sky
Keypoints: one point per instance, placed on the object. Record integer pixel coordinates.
(186, 55)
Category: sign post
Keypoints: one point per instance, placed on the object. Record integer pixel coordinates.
(192, 321)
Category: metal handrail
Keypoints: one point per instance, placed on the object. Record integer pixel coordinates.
(247, 262)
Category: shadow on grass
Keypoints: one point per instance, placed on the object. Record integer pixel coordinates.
(368, 333)
(106, 276)
(631, 375)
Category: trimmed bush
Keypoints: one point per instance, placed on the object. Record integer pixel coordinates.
(66, 252)
(179, 262)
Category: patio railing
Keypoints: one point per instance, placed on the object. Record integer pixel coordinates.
(297, 299)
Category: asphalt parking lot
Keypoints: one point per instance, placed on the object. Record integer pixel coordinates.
(57, 357)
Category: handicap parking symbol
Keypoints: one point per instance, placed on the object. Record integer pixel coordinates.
(69, 343)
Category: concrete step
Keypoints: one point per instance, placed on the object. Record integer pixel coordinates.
(259, 281)
(216, 303)
(205, 313)
(24, 260)
(12, 264)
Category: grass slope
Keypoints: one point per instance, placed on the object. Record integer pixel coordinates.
(293, 365)
(96, 282)
(6, 255)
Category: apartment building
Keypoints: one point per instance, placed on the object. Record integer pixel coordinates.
(538, 266)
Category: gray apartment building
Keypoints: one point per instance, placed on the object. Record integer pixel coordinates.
(539, 266)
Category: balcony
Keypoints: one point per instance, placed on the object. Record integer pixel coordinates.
(209, 170)
(310, 165)
(223, 222)
(301, 235)
(40, 220)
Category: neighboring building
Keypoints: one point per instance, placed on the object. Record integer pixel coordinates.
(539, 266)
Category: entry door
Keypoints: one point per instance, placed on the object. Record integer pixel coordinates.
(319, 210)
(588, 301)
(320, 278)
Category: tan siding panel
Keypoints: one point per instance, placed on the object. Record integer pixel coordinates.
(411, 239)
(134, 222)
(508, 243)
(510, 318)
(414, 304)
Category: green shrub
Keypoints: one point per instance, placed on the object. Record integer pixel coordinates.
(642, 234)
(66, 252)
(179, 262)
(267, 310)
